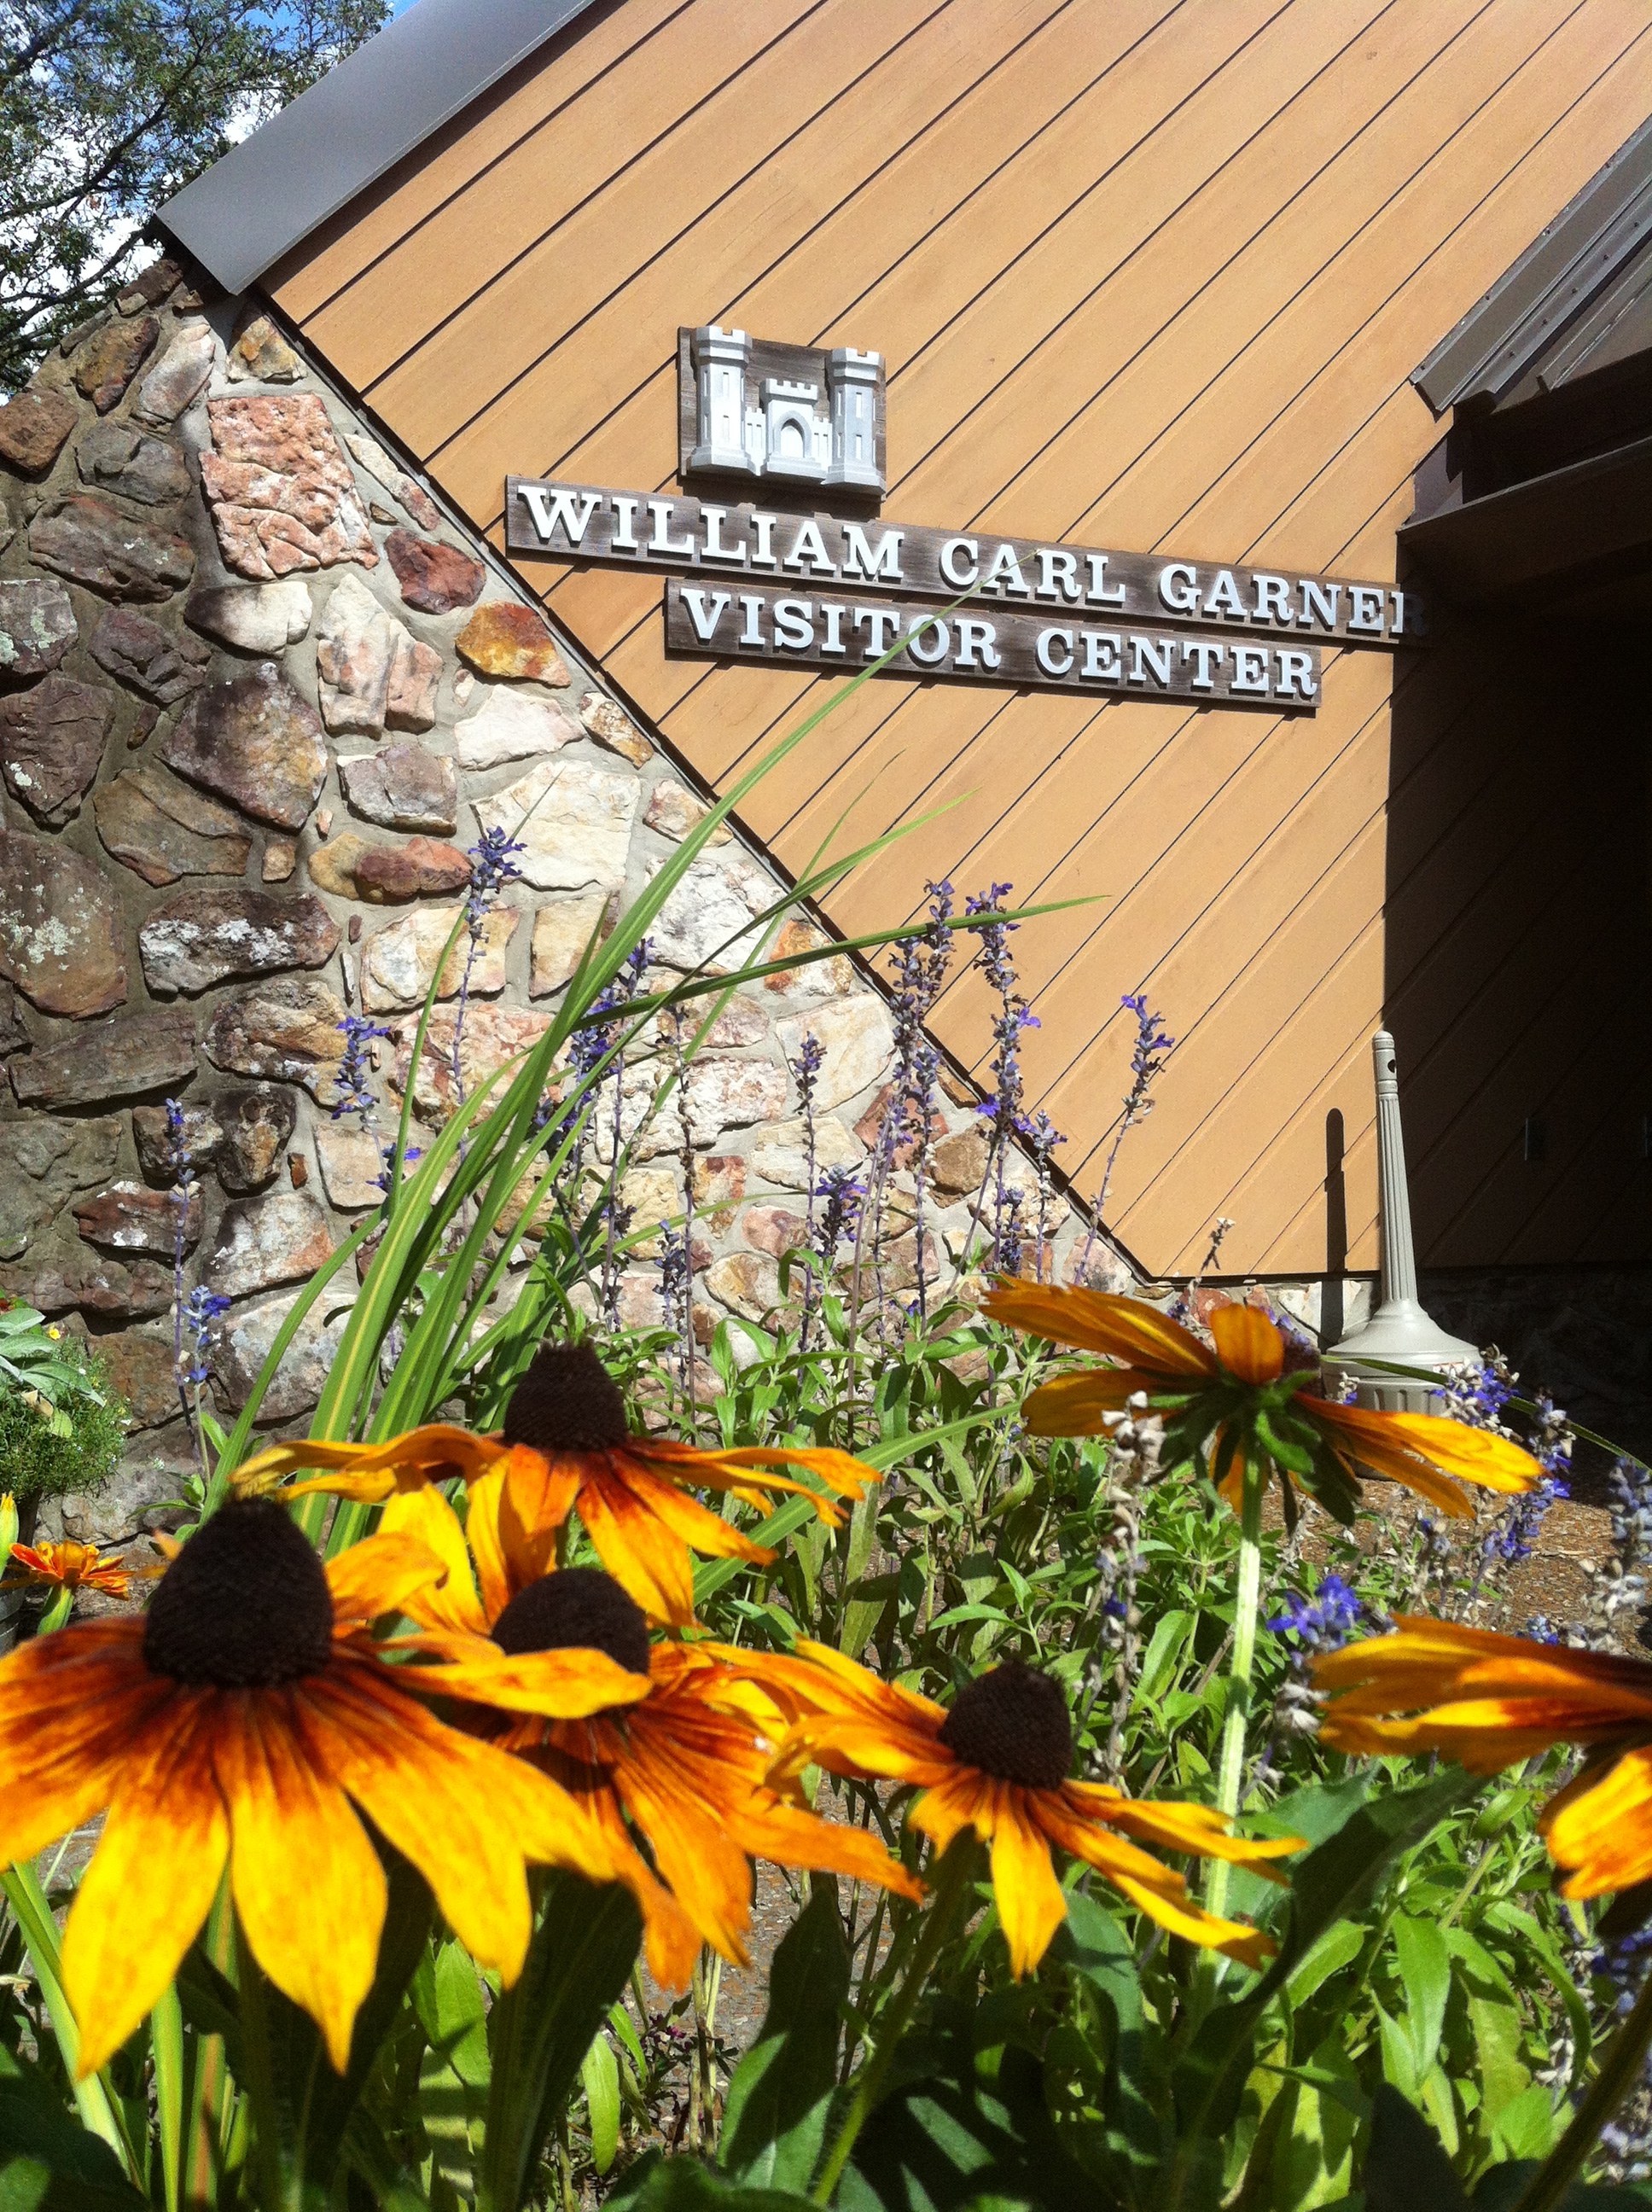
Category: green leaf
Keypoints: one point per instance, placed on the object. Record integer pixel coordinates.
(1501, 2188)
(1406, 2169)
(35, 2129)
(29, 2184)
(408, 1911)
(682, 2184)
(599, 2071)
(1425, 1974)
(583, 1951)
(1337, 1878)
(780, 2097)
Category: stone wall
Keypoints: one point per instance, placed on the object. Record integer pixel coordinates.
(257, 694)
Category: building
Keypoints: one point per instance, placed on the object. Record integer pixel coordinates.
(1316, 295)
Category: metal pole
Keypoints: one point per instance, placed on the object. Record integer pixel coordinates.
(1399, 1330)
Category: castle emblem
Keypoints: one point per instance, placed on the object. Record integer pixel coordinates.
(818, 429)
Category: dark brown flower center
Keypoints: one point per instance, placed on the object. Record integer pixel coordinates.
(577, 1608)
(1013, 1725)
(244, 1606)
(566, 1402)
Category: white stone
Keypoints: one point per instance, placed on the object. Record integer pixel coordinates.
(514, 726)
(779, 1154)
(282, 1237)
(350, 1163)
(573, 821)
(253, 618)
(610, 725)
(748, 1282)
(561, 932)
(648, 1132)
(731, 1094)
(354, 648)
(856, 1040)
(673, 809)
(242, 1342)
(494, 1037)
(654, 1197)
(708, 920)
(397, 962)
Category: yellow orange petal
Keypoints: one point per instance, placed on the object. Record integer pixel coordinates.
(381, 1574)
(840, 1471)
(1599, 1827)
(539, 1493)
(72, 1704)
(1031, 1905)
(1195, 1925)
(1097, 1321)
(568, 1684)
(1382, 1442)
(308, 1887)
(425, 1518)
(1248, 1344)
(486, 1543)
(1077, 1405)
(960, 1798)
(432, 1454)
(446, 1801)
(694, 1850)
(150, 1884)
(641, 1553)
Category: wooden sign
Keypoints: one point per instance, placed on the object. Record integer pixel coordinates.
(724, 619)
(817, 553)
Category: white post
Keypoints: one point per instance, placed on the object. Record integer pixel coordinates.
(1399, 1330)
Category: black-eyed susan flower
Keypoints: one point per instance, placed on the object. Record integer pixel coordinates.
(683, 1765)
(239, 1722)
(1491, 1701)
(565, 1447)
(1239, 1403)
(998, 1761)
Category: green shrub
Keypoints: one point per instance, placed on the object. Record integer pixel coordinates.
(41, 1457)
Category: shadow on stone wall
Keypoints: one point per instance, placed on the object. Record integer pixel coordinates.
(1583, 1334)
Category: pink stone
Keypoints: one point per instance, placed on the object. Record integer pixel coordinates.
(774, 1228)
(415, 675)
(283, 495)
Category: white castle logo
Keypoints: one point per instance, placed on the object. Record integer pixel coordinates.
(788, 436)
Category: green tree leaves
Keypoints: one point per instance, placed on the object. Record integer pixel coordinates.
(107, 107)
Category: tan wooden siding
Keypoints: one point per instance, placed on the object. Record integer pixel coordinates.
(1146, 272)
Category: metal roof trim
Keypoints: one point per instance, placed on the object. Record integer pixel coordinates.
(1566, 265)
(369, 112)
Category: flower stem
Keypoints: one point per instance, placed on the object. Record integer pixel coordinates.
(953, 1882)
(1246, 1604)
(260, 2080)
(1548, 2186)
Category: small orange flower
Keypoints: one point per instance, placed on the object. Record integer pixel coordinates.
(70, 1565)
(684, 1760)
(565, 1447)
(997, 1762)
(1490, 1701)
(1238, 1399)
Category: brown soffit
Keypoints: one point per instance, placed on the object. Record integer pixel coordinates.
(376, 106)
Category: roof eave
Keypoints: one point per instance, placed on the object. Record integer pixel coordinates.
(269, 194)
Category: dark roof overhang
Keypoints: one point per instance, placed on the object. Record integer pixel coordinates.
(348, 130)
(1540, 496)
(1577, 541)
